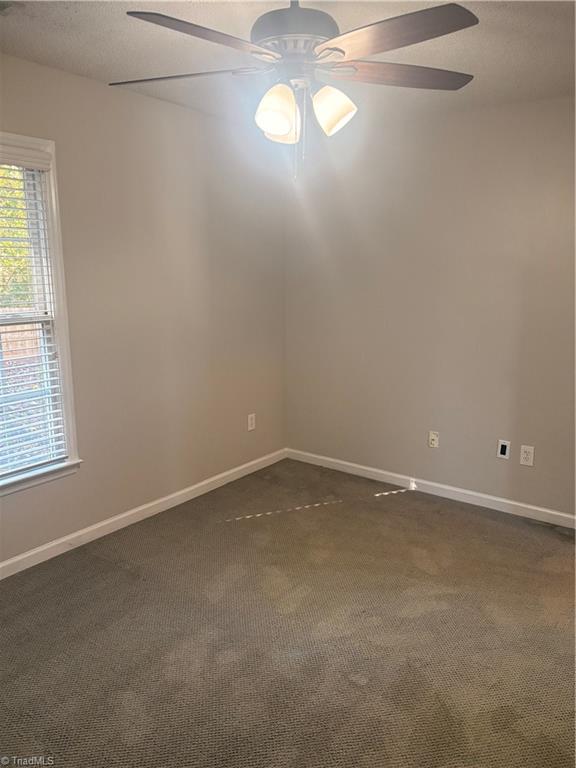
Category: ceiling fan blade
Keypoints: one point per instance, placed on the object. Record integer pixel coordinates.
(188, 28)
(390, 34)
(404, 75)
(241, 71)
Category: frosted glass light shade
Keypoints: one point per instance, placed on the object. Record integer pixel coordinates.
(276, 112)
(293, 136)
(333, 109)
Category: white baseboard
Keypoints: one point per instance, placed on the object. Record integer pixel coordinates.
(438, 489)
(347, 466)
(83, 536)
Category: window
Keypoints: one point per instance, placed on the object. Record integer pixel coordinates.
(36, 418)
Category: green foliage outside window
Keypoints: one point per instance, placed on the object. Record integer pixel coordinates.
(15, 246)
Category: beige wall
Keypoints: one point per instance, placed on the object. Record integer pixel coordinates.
(174, 283)
(427, 284)
(431, 286)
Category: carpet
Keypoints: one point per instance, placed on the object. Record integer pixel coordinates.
(297, 618)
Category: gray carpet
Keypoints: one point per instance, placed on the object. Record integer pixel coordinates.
(326, 628)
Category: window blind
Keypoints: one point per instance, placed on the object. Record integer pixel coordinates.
(32, 428)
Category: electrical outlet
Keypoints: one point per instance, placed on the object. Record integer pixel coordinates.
(251, 422)
(503, 449)
(527, 455)
(433, 439)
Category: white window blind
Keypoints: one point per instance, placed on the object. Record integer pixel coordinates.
(32, 416)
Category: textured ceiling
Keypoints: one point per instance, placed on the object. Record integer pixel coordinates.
(519, 51)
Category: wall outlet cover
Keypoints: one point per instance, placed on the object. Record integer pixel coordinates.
(433, 439)
(527, 455)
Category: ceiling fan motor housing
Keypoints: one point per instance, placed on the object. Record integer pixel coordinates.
(293, 31)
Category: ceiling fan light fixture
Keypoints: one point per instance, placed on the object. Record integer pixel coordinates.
(276, 112)
(298, 43)
(333, 109)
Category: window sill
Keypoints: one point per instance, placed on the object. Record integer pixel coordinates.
(39, 476)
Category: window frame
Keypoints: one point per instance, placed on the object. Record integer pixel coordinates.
(40, 154)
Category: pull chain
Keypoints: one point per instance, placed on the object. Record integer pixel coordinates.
(300, 106)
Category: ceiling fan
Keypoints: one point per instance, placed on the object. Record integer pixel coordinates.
(301, 45)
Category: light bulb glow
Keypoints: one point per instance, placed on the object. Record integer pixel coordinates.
(293, 136)
(276, 111)
(333, 109)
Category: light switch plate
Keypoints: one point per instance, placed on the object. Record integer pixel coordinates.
(503, 449)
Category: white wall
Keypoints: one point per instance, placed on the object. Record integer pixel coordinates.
(430, 285)
(174, 283)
